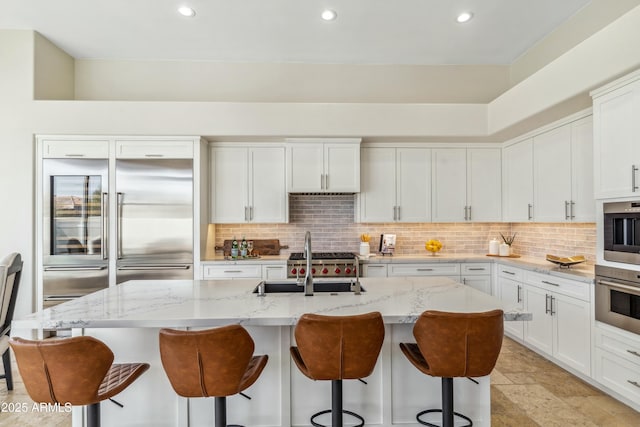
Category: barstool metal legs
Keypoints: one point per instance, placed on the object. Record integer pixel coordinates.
(93, 415)
(6, 362)
(221, 411)
(448, 414)
(336, 403)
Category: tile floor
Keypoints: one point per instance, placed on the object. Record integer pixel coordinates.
(526, 389)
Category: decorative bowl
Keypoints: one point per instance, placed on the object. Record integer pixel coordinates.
(566, 261)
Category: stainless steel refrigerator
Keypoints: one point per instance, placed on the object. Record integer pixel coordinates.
(99, 231)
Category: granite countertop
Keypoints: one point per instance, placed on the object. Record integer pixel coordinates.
(182, 303)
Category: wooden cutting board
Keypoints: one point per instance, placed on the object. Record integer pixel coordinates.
(260, 247)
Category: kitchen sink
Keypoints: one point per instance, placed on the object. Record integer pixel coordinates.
(274, 287)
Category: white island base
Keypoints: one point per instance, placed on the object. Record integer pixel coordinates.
(128, 317)
(282, 396)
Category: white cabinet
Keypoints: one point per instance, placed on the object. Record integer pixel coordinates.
(374, 270)
(446, 269)
(396, 185)
(231, 271)
(510, 291)
(154, 149)
(477, 275)
(248, 184)
(561, 324)
(616, 109)
(617, 361)
(316, 166)
(517, 181)
(75, 148)
(563, 178)
(466, 184)
(274, 271)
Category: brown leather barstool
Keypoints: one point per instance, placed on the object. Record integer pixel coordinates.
(210, 363)
(454, 345)
(336, 348)
(76, 370)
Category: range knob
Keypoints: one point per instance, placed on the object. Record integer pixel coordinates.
(337, 270)
(325, 270)
(302, 271)
(313, 271)
(347, 270)
(293, 271)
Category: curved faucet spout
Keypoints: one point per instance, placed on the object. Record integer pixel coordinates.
(308, 277)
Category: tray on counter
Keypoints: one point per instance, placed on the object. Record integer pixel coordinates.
(260, 247)
(566, 261)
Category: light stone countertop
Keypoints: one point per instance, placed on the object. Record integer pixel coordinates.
(183, 303)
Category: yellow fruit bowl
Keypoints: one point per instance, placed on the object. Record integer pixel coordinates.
(433, 246)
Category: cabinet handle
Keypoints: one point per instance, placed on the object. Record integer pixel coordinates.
(509, 272)
(424, 269)
(233, 271)
(530, 211)
(271, 267)
(566, 209)
(550, 283)
(519, 298)
(74, 155)
(375, 266)
(469, 213)
(395, 213)
(552, 301)
(573, 215)
(322, 181)
(546, 304)
(635, 383)
(635, 353)
(250, 213)
(476, 269)
(326, 181)
(398, 213)
(154, 155)
(634, 169)
(245, 213)
(464, 280)
(465, 213)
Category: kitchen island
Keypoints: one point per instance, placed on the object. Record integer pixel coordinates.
(128, 316)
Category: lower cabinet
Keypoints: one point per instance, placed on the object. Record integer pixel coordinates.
(231, 271)
(274, 271)
(510, 292)
(374, 270)
(476, 275)
(561, 324)
(446, 269)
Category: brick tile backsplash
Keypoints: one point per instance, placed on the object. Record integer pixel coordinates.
(330, 219)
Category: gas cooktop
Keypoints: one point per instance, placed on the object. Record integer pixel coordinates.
(297, 256)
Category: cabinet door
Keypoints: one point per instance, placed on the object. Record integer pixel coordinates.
(374, 270)
(378, 195)
(584, 205)
(229, 202)
(484, 184)
(449, 184)
(481, 283)
(552, 175)
(274, 272)
(151, 149)
(267, 194)
(413, 180)
(616, 147)
(81, 149)
(342, 167)
(572, 338)
(539, 331)
(305, 167)
(510, 292)
(517, 181)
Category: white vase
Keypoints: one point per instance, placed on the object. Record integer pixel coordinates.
(505, 250)
(364, 249)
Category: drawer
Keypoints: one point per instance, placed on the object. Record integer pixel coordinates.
(623, 344)
(274, 272)
(509, 272)
(84, 149)
(559, 285)
(618, 374)
(475, 268)
(374, 270)
(232, 271)
(141, 149)
(440, 269)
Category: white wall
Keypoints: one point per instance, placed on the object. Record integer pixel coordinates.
(53, 71)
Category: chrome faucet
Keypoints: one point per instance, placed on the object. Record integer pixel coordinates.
(356, 287)
(308, 276)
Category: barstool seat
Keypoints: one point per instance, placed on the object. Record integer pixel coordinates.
(452, 345)
(75, 370)
(336, 348)
(215, 363)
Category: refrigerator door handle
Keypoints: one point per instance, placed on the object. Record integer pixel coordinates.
(156, 267)
(104, 246)
(76, 268)
(119, 197)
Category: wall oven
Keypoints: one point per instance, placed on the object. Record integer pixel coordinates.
(621, 228)
(617, 297)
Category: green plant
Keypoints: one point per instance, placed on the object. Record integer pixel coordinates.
(508, 239)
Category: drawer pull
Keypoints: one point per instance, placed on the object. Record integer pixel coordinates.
(476, 268)
(376, 266)
(233, 271)
(635, 353)
(425, 269)
(635, 383)
(509, 272)
(550, 283)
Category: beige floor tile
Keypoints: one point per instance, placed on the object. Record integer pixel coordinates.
(601, 414)
(498, 378)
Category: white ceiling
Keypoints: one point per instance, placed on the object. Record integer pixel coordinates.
(365, 32)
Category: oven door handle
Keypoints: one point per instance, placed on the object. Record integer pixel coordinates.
(631, 289)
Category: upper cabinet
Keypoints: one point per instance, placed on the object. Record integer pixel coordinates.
(321, 166)
(616, 114)
(79, 148)
(154, 149)
(396, 185)
(548, 178)
(466, 184)
(248, 184)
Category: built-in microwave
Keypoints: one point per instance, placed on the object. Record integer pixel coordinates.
(621, 232)
(617, 297)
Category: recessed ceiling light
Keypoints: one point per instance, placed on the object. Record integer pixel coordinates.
(186, 11)
(464, 17)
(329, 15)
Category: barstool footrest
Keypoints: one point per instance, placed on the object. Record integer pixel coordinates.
(429, 411)
(328, 411)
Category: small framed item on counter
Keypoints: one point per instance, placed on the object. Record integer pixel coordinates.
(387, 244)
